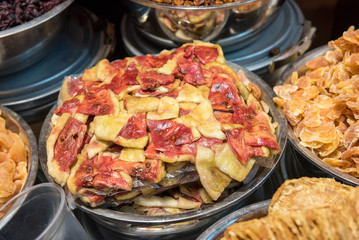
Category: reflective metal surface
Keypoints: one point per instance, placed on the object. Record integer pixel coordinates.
(173, 225)
(295, 165)
(299, 66)
(16, 124)
(187, 23)
(286, 32)
(25, 44)
(83, 41)
(216, 231)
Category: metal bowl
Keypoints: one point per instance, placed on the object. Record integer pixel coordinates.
(191, 222)
(25, 44)
(256, 210)
(299, 66)
(187, 23)
(16, 124)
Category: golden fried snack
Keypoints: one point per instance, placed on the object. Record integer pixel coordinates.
(322, 106)
(312, 216)
(309, 193)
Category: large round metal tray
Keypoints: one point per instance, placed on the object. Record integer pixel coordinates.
(216, 231)
(16, 124)
(299, 66)
(155, 226)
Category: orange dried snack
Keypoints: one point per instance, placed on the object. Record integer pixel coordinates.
(322, 104)
(13, 163)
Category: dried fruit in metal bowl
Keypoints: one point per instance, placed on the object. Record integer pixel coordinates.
(13, 163)
(163, 133)
(322, 104)
(247, 6)
(16, 12)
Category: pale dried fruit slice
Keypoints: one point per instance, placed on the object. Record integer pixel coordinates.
(190, 93)
(212, 179)
(141, 104)
(107, 127)
(228, 163)
(168, 108)
(167, 201)
(96, 146)
(132, 155)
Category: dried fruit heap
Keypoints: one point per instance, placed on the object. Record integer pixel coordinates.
(322, 105)
(128, 130)
(13, 161)
(16, 12)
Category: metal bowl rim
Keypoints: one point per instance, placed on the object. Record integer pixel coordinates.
(36, 21)
(293, 139)
(227, 202)
(219, 226)
(165, 6)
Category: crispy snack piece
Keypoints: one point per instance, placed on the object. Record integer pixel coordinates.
(309, 193)
(305, 208)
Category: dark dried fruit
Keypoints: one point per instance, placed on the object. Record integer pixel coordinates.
(16, 12)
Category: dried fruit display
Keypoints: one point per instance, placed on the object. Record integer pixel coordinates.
(158, 134)
(322, 104)
(16, 12)
(13, 163)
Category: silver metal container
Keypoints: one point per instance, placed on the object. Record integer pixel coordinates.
(16, 124)
(216, 231)
(187, 23)
(193, 222)
(25, 44)
(306, 153)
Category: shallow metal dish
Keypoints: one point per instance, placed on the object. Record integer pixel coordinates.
(25, 44)
(216, 231)
(192, 221)
(187, 23)
(299, 66)
(16, 124)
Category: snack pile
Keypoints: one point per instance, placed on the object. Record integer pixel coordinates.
(305, 208)
(158, 134)
(13, 163)
(322, 104)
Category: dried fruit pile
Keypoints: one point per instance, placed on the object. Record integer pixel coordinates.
(165, 133)
(16, 12)
(322, 105)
